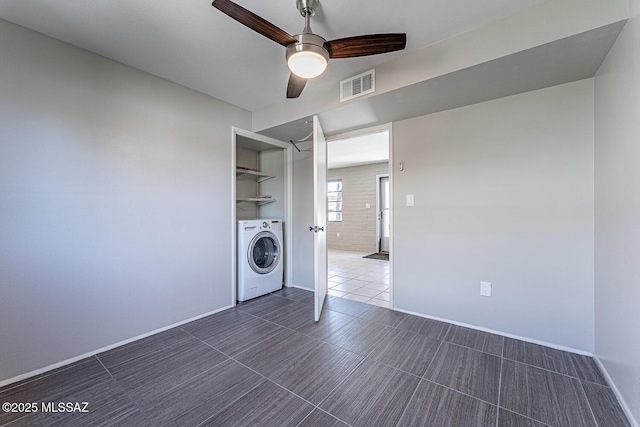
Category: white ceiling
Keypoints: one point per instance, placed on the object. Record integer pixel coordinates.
(359, 150)
(191, 43)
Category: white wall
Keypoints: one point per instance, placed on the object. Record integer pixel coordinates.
(503, 193)
(617, 212)
(358, 226)
(114, 212)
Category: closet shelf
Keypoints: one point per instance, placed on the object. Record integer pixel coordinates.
(245, 174)
(259, 200)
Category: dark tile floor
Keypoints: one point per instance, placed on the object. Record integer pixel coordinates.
(266, 363)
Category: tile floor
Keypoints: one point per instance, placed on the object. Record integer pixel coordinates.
(266, 363)
(358, 279)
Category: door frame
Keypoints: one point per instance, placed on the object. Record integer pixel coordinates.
(378, 207)
(366, 131)
(288, 205)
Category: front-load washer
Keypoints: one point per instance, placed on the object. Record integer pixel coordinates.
(260, 260)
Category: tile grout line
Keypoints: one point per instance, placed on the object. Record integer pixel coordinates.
(584, 393)
(234, 401)
(552, 371)
(286, 389)
(124, 390)
(471, 348)
(307, 416)
(346, 376)
(295, 330)
(179, 384)
(404, 410)
(105, 368)
(499, 388)
(264, 379)
(328, 413)
(527, 417)
(406, 406)
(295, 394)
(460, 392)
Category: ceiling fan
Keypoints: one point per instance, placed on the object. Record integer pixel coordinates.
(307, 53)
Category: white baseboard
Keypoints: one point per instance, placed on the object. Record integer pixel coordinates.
(100, 350)
(621, 400)
(504, 334)
(299, 287)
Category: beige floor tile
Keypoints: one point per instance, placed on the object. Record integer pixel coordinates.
(355, 297)
(371, 293)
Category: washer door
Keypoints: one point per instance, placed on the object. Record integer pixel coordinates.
(264, 251)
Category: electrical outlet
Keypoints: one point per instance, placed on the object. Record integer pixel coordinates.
(485, 289)
(338, 233)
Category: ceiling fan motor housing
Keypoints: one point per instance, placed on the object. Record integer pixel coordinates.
(307, 7)
(308, 42)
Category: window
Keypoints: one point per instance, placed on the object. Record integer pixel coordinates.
(334, 197)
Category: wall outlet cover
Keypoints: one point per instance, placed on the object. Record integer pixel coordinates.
(485, 289)
(409, 199)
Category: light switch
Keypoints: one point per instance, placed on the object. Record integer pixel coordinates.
(367, 205)
(409, 201)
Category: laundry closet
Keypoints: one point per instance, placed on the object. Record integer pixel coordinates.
(263, 204)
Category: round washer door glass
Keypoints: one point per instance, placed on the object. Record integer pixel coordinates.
(264, 251)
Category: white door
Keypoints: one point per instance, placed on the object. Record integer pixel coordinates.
(383, 214)
(319, 216)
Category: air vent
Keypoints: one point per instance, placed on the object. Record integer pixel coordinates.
(359, 85)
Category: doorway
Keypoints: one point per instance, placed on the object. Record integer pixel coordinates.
(359, 216)
(383, 208)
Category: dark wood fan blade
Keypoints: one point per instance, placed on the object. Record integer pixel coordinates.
(372, 44)
(254, 22)
(295, 86)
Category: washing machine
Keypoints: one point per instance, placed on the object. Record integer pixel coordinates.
(260, 260)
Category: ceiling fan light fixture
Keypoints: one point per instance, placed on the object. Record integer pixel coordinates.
(307, 58)
(307, 64)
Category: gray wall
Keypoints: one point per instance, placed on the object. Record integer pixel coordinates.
(358, 227)
(114, 212)
(503, 193)
(617, 212)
